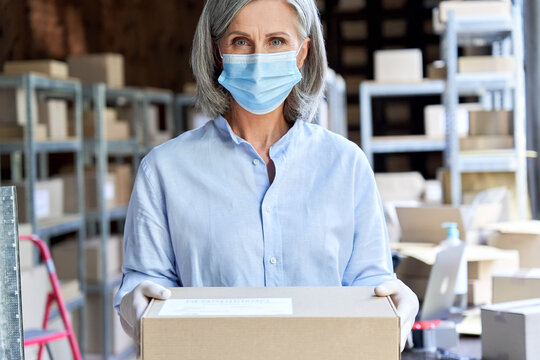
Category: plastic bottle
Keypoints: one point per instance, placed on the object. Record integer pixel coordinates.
(452, 239)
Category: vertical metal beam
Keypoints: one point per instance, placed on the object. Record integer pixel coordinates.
(366, 126)
(532, 74)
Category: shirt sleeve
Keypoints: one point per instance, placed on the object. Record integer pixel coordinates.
(370, 263)
(148, 251)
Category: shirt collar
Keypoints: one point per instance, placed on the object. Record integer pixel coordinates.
(278, 149)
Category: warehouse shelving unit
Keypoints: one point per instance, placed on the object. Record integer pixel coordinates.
(335, 96)
(182, 102)
(36, 85)
(506, 91)
(99, 148)
(496, 90)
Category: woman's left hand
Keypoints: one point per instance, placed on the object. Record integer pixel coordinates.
(406, 303)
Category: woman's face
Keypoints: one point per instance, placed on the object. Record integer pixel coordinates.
(264, 26)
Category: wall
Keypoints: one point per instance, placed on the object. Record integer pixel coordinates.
(155, 40)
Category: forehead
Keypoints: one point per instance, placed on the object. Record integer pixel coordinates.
(266, 16)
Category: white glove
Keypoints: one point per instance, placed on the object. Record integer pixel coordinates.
(406, 303)
(133, 305)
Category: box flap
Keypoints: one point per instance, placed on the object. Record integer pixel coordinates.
(424, 224)
(330, 301)
(524, 307)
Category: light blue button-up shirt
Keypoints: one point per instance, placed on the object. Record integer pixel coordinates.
(203, 213)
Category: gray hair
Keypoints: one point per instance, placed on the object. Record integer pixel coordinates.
(214, 100)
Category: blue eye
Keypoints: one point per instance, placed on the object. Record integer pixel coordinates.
(276, 42)
(240, 42)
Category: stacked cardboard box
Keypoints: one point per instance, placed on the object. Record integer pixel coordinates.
(516, 285)
(523, 236)
(117, 187)
(485, 64)
(313, 323)
(398, 65)
(482, 261)
(65, 257)
(13, 117)
(511, 330)
(113, 128)
(98, 68)
(435, 120)
(53, 114)
(52, 68)
(474, 8)
(48, 199)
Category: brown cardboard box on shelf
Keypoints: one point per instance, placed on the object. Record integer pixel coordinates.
(397, 112)
(516, 285)
(90, 184)
(523, 236)
(354, 56)
(492, 123)
(53, 113)
(93, 68)
(394, 28)
(486, 142)
(120, 341)
(66, 259)
(46, 67)
(435, 119)
(482, 64)
(436, 70)
(398, 65)
(474, 8)
(479, 292)
(13, 105)
(401, 186)
(229, 323)
(354, 30)
(113, 129)
(48, 199)
(511, 330)
(123, 183)
(16, 132)
(424, 223)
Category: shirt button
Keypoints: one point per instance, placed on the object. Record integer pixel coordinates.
(256, 162)
(273, 260)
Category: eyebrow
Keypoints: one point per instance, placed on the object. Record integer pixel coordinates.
(267, 35)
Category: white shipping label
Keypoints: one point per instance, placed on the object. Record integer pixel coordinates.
(42, 203)
(227, 307)
(109, 190)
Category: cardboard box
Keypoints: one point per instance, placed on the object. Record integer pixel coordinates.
(398, 65)
(113, 128)
(95, 68)
(417, 258)
(400, 186)
(486, 142)
(13, 105)
(435, 120)
(52, 68)
(123, 183)
(66, 259)
(48, 199)
(354, 30)
(492, 123)
(474, 8)
(354, 56)
(90, 184)
(516, 285)
(523, 236)
(511, 330)
(16, 132)
(53, 113)
(397, 112)
(424, 223)
(436, 70)
(241, 323)
(485, 64)
(479, 292)
(120, 341)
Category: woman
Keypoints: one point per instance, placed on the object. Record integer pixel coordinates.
(258, 196)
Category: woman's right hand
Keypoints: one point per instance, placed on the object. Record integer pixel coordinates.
(135, 302)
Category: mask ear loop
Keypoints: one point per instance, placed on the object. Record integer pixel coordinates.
(300, 48)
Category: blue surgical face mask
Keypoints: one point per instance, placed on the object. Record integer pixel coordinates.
(260, 82)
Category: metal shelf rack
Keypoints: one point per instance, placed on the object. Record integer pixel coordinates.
(181, 104)
(496, 91)
(33, 84)
(159, 97)
(99, 149)
(335, 96)
(504, 34)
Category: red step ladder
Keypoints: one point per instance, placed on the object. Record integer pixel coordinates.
(43, 336)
